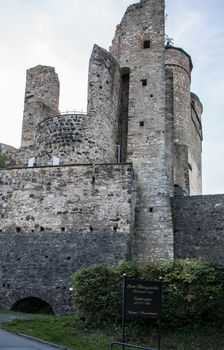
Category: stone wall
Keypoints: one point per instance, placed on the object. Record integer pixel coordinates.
(10, 153)
(104, 103)
(186, 125)
(195, 168)
(178, 61)
(60, 199)
(54, 220)
(181, 170)
(169, 94)
(66, 137)
(199, 227)
(41, 264)
(75, 139)
(183, 126)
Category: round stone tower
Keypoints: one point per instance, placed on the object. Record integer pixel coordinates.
(187, 134)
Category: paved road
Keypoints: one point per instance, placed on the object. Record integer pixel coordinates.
(10, 341)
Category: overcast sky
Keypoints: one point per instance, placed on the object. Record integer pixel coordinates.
(61, 33)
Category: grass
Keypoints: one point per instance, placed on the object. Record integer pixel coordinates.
(71, 332)
(59, 330)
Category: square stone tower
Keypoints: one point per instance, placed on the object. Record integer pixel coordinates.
(138, 46)
(41, 100)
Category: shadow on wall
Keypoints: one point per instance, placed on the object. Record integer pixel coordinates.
(33, 305)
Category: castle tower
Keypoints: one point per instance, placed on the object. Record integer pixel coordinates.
(41, 100)
(138, 46)
(187, 129)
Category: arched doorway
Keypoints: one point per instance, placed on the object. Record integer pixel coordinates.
(33, 305)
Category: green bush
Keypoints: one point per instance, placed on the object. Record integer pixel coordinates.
(193, 290)
(96, 293)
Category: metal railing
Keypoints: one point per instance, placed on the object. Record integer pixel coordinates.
(72, 112)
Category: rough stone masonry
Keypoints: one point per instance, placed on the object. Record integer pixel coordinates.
(122, 181)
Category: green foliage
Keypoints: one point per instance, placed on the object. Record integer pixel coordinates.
(2, 160)
(193, 291)
(97, 293)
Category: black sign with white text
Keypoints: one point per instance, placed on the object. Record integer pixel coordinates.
(142, 298)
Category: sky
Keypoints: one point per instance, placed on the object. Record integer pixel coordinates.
(61, 33)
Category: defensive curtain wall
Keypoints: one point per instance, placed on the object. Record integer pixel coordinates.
(57, 219)
(199, 227)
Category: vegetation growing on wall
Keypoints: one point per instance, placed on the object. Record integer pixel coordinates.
(2, 160)
(193, 291)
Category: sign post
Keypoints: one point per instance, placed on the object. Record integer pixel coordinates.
(123, 311)
(141, 299)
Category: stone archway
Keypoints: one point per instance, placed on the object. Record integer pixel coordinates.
(58, 299)
(32, 305)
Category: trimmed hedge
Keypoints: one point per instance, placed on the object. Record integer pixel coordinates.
(193, 291)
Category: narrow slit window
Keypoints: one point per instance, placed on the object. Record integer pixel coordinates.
(146, 44)
(142, 123)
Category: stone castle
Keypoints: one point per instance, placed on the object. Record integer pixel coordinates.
(120, 182)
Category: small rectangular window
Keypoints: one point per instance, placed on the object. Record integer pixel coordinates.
(144, 82)
(142, 123)
(146, 44)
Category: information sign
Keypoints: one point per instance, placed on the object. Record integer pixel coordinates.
(142, 298)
